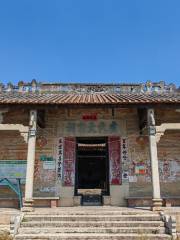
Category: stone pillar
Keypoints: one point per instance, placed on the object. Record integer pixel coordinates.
(28, 201)
(157, 201)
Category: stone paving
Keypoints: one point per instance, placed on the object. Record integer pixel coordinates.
(89, 223)
(92, 223)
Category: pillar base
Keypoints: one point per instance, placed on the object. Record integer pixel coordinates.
(157, 204)
(77, 200)
(28, 206)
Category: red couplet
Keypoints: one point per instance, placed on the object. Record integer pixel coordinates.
(115, 160)
(69, 161)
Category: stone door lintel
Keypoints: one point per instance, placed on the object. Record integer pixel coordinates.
(16, 127)
(160, 130)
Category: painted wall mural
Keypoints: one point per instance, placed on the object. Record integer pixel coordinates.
(169, 170)
(47, 189)
(69, 161)
(13, 169)
(37, 168)
(140, 169)
(41, 141)
(114, 144)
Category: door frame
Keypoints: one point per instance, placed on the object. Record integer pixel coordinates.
(106, 162)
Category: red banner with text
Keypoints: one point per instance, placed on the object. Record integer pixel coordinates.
(114, 145)
(69, 161)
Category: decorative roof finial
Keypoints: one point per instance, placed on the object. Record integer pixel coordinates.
(1, 87)
(149, 86)
(34, 85)
(172, 87)
(9, 87)
(20, 86)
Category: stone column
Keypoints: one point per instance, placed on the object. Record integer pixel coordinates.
(157, 201)
(28, 201)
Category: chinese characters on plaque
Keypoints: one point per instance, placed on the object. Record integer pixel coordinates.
(66, 160)
(124, 157)
(124, 150)
(95, 128)
(60, 158)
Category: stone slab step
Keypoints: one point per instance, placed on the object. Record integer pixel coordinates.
(94, 208)
(92, 211)
(57, 213)
(92, 218)
(154, 230)
(4, 228)
(98, 208)
(93, 224)
(86, 236)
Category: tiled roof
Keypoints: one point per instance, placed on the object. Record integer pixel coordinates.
(88, 99)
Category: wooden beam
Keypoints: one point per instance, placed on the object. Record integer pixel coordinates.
(41, 118)
(142, 115)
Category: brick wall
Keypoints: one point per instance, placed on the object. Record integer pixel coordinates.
(168, 155)
(12, 146)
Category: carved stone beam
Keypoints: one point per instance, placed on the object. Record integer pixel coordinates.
(160, 130)
(16, 127)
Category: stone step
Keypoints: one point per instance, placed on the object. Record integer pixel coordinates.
(155, 230)
(92, 218)
(90, 209)
(92, 212)
(93, 223)
(4, 227)
(92, 236)
(96, 208)
(59, 224)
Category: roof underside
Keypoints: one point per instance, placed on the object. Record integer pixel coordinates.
(88, 99)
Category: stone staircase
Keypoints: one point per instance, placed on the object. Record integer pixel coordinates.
(4, 227)
(92, 223)
(5, 217)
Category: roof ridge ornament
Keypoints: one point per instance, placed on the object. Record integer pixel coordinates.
(67, 88)
(10, 87)
(1, 87)
(148, 86)
(20, 86)
(34, 85)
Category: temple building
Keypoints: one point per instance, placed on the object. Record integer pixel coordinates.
(89, 144)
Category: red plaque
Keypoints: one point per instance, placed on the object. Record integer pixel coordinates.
(89, 117)
(69, 161)
(115, 160)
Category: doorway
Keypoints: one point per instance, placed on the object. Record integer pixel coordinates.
(92, 170)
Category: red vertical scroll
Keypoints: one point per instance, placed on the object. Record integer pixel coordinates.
(115, 160)
(69, 161)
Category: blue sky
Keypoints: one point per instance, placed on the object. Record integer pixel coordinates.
(90, 40)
